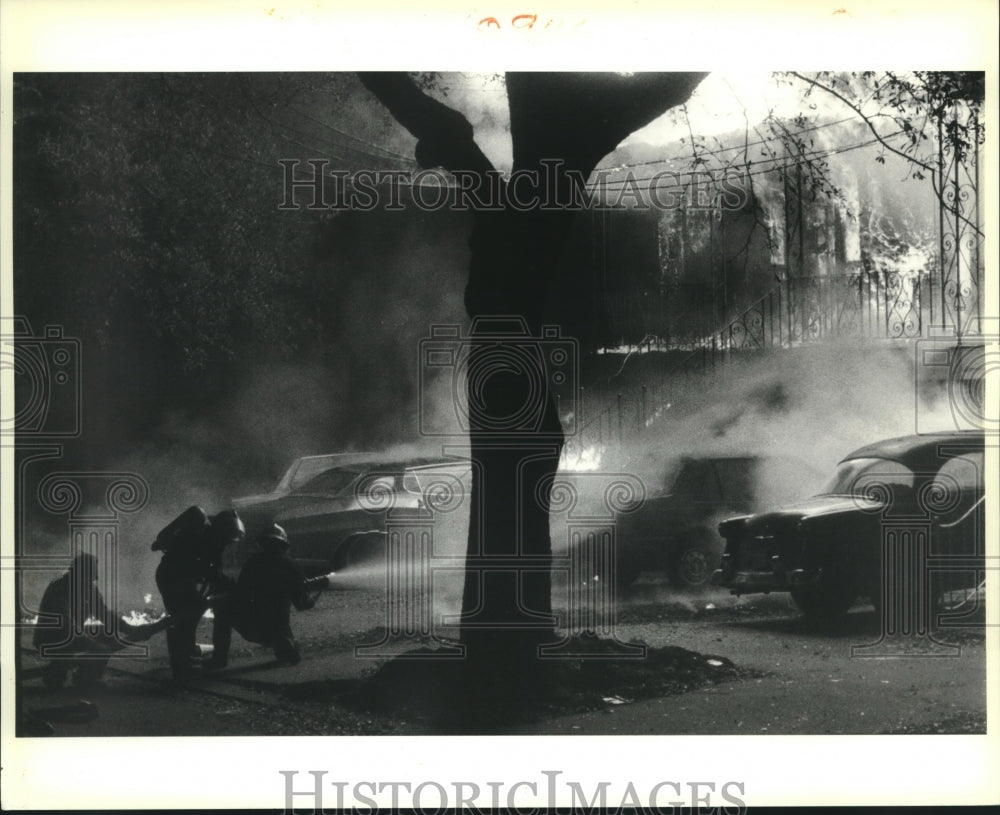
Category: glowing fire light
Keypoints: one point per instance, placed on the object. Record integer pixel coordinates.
(586, 460)
(141, 618)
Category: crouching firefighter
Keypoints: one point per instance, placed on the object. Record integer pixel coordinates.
(86, 633)
(259, 608)
(189, 571)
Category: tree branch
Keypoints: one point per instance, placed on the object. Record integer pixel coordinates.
(903, 154)
(581, 117)
(444, 136)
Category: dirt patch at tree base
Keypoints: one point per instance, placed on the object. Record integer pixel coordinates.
(587, 673)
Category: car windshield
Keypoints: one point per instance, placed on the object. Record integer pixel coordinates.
(308, 468)
(697, 480)
(856, 475)
(958, 485)
(332, 482)
(451, 473)
(962, 473)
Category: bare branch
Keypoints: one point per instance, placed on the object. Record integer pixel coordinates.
(444, 136)
(909, 157)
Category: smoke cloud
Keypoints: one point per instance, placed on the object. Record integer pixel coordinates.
(814, 404)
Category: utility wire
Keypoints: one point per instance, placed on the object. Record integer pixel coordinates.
(717, 151)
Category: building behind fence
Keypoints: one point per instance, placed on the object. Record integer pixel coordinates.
(835, 275)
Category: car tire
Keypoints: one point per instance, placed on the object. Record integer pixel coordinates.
(693, 567)
(824, 602)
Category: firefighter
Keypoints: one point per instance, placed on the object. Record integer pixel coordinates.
(259, 608)
(74, 598)
(189, 572)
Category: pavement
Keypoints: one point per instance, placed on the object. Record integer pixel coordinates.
(775, 705)
(801, 692)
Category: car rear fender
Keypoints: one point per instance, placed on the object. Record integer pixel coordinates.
(350, 547)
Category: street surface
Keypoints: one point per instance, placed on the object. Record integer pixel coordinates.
(799, 678)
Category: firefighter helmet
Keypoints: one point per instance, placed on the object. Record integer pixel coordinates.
(190, 524)
(227, 527)
(274, 535)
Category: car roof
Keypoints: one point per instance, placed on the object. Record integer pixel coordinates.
(924, 453)
(381, 467)
(688, 457)
(306, 468)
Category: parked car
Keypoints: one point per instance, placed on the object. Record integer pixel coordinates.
(827, 551)
(674, 529)
(333, 507)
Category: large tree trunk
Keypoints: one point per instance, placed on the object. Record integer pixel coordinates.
(515, 433)
(516, 438)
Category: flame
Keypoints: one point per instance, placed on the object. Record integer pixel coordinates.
(586, 460)
(141, 617)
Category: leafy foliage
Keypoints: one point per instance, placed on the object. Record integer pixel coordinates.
(156, 195)
(929, 109)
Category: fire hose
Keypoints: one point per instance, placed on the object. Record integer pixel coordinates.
(313, 586)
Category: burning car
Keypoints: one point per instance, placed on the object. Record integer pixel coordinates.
(915, 503)
(333, 507)
(674, 530)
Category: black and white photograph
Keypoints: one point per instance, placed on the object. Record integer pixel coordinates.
(398, 414)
